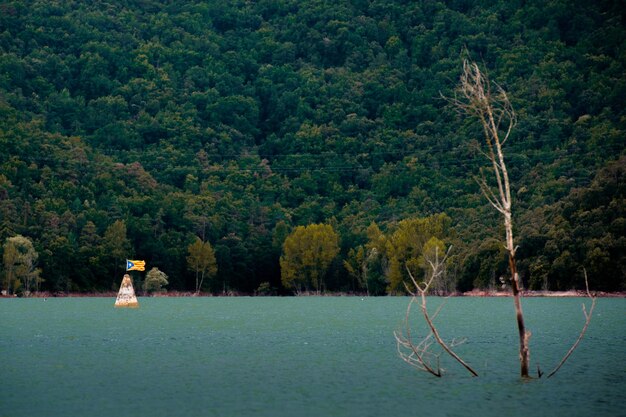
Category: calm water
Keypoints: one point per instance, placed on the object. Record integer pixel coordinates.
(307, 356)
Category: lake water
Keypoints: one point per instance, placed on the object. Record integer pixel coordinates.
(300, 356)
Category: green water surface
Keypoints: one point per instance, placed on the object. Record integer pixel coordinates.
(301, 356)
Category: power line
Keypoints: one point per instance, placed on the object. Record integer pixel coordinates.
(226, 157)
(287, 163)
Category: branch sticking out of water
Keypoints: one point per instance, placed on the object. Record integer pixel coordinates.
(584, 329)
(418, 354)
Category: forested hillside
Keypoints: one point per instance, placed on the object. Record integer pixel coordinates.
(128, 129)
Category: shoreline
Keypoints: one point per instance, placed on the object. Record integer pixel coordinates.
(533, 294)
(473, 293)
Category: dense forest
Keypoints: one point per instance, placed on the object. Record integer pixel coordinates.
(131, 129)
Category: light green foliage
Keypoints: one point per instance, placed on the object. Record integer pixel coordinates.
(20, 260)
(433, 252)
(356, 265)
(361, 266)
(405, 247)
(155, 281)
(307, 254)
(201, 260)
(265, 289)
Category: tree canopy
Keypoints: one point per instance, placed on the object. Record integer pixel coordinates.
(130, 129)
(307, 253)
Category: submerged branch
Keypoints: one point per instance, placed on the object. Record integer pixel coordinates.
(420, 356)
(419, 353)
(582, 332)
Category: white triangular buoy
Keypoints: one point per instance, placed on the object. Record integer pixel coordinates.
(126, 296)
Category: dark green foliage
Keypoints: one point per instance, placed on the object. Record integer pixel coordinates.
(235, 122)
(585, 229)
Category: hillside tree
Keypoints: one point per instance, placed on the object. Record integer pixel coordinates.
(155, 281)
(201, 260)
(307, 254)
(116, 244)
(20, 265)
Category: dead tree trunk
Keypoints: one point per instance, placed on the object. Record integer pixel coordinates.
(496, 115)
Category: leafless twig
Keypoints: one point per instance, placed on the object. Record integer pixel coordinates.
(418, 354)
(584, 329)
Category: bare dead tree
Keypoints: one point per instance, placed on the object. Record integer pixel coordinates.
(497, 118)
(420, 354)
(495, 113)
(582, 332)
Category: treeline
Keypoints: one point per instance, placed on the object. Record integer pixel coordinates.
(130, 129)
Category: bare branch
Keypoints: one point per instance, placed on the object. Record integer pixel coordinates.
(584, 329)
(445, 347)
(483, 153)
(440, 307)
(489, 194)
(420, 357)
(419, 288)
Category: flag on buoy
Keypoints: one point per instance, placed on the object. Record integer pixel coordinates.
(126, 295)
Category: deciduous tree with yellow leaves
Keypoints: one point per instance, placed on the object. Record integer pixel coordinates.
(307, 253)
